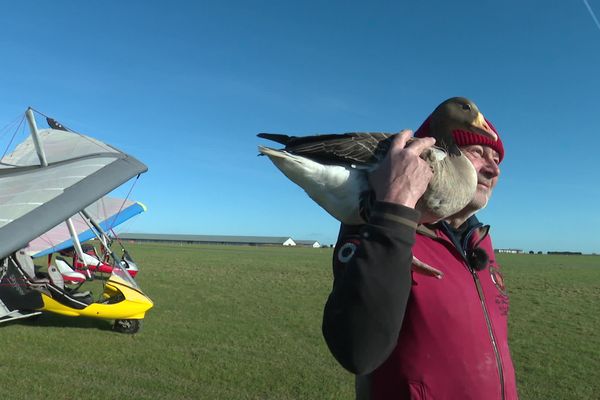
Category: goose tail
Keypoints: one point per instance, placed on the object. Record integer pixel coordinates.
(276, 137)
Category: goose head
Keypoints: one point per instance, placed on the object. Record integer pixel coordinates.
(454, 115)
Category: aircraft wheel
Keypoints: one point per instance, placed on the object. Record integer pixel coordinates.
(127, 325)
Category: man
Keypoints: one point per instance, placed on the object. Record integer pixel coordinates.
(408, 335)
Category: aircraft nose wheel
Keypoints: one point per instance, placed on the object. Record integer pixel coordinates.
(127, 325)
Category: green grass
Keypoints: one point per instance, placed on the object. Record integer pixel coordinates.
(228, 323)
(245, 323)
(555, 324)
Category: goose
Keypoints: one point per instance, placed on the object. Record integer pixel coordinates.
(333, 169)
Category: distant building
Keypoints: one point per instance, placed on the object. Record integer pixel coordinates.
(308, 243)
(209, 239)
(510, 251)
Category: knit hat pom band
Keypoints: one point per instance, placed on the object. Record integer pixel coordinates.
(467, 138)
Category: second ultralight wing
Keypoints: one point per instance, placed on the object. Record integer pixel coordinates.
(109, 212)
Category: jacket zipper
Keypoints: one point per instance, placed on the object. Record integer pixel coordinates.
(483, 306)
(490, 332)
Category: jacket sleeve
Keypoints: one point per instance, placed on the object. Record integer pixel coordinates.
(372, 281)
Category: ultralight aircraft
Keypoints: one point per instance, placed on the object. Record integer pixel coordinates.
(49, 178)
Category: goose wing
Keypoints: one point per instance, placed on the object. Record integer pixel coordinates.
(345, 148)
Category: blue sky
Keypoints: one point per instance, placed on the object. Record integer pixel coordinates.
(186, 85)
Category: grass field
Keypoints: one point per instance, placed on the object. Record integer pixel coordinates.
(234, 322)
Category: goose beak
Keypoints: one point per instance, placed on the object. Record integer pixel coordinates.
(484, 127)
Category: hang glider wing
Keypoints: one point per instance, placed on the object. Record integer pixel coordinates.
(108, 212)
(36, 198)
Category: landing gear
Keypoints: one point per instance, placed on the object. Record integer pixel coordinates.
(130, 326)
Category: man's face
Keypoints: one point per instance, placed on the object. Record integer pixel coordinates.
(485, 160)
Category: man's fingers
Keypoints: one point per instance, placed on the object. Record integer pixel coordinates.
(401, 139)
(420, 145)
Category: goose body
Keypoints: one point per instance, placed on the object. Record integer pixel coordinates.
(336, 188)
(342, 189)
(333, 168)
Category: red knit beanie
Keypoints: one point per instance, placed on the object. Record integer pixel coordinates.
(466, 138)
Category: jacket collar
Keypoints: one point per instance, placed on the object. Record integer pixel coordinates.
(467, 237)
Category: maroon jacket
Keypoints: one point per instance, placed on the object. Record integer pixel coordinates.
(411, 336)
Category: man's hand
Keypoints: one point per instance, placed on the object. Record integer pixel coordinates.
(402, 177)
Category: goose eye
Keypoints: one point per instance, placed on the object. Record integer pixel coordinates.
(466, 107)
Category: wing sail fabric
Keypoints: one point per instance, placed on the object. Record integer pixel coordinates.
(108, 212)
(34, 199)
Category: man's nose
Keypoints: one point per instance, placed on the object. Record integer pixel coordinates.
(491, 169)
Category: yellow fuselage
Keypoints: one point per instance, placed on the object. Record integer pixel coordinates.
(133, 305)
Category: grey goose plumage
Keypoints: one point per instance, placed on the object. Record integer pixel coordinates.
(333, 168)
